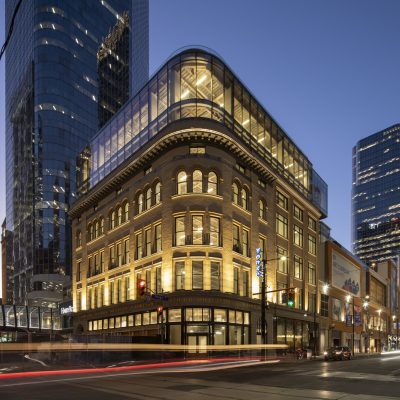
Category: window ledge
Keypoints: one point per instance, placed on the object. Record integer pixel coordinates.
(241, 208)
(191, 194)
(119, 226)
(263, 220)
(93, 241)
(146, 211)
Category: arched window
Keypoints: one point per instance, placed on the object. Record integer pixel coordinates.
(101, 226)
(91, 232)
(113, 219)
(212, 183)
(78, 239)
(245, 199)
(96, 229)
(119, 211)
(148, 198)
(157, 193)
(140, 203)
(182, 182)
(235, 193)
(126, 211)
(261, 209)
(197, 181)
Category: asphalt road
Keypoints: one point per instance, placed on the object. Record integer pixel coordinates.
(361, 379)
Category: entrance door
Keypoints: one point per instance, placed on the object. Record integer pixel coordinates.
(200, 341)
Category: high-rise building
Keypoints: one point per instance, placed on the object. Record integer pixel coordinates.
(181, 192)
(52, 110)
(376, 196)
(6, 265)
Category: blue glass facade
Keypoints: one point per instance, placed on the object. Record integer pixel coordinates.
(52, 100)
(376, 196)
(197, 84)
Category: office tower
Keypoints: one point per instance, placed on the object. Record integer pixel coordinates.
(52, 97)
(376, 196)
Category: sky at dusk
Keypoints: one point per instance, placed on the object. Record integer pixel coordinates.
(327, 71)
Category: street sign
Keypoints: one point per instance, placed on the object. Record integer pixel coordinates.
(159, 297)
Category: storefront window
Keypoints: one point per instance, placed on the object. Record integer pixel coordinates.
(138, 319)
(174, 315)
(219, 315)
(235, 334)
(219, 334)
(146, 318)
(175, 336)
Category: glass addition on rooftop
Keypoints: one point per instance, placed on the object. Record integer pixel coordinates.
(195, 85)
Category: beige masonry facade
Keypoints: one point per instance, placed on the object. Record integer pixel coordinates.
(185, 214)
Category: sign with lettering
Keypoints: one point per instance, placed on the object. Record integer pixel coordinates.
(259, 263)
(345, 275)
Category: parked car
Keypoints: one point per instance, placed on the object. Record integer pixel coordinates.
(338, 353)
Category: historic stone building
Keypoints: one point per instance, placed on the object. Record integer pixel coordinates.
(178, 190)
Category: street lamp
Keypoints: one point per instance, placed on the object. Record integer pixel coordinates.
(263, 302)
(348, 298)
(379, 327)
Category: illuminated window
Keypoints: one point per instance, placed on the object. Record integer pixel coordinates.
(157, 193)
(180, 275)
(197, 229)
(282, 200)
(245, 199)
(197, 181)
(139, 245)
(298, 212)
(215, 275)
(212, 183)
(119, 213)
(147, 239)
(298, 267)
(126, 212)
(282, 264)
(235, 193)
(298, 236)
(140, 203)
(236, 289)
(312, 245)
(148, 198)
(312, 224)
(197, 274)
(311, 273)
(158, 246)
(215, 231)
(281, 226)
(180, 231)
(182, 182)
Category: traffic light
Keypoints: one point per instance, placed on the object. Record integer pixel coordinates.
(290, 301)
(141, 287)
(160, 310)
(284, 298)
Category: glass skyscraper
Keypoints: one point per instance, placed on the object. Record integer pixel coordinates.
(55, 97)
(376, 196)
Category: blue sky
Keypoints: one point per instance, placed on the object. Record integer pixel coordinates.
(328, 71)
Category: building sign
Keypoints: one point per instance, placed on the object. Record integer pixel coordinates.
(345, 275)
(336, 309)
(357, 316)
(259, 265)
(66, 308)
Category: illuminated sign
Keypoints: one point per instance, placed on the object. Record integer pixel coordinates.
(66, 310)
(259, 264)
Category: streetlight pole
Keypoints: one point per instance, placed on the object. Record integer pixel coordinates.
(263, 302)
(348, 298)
(263, 298)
